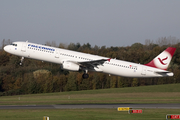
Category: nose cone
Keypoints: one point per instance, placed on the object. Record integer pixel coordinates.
(7, 48)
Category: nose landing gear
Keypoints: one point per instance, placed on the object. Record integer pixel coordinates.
(21, 60)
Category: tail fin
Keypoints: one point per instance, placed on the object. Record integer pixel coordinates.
(162, 60)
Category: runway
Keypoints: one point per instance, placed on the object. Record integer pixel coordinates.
(95, 106)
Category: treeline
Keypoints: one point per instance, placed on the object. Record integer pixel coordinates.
(42, 77)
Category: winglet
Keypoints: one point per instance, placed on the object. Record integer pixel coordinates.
(162, 60)
(109, 59)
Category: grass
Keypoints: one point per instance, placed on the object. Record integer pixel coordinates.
(85, 114)
(169, 93)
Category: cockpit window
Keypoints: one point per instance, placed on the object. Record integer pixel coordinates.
(14, 44)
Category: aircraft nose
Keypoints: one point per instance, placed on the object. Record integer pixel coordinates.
(6, 48)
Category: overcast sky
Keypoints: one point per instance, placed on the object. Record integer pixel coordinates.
(98, 22)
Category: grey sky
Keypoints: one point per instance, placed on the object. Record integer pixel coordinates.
(99, 22)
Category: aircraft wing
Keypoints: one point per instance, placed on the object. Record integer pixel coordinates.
(89, 64)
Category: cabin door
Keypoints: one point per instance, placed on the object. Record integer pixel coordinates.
(144, 70)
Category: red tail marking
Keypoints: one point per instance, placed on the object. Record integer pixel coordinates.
(170, 50)
(161, 61)
(109, 59)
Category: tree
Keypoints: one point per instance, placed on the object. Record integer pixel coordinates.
(113, 82)
(134, 82)
(59, 82)
(95, 81)
(71, 83)
(120, 82)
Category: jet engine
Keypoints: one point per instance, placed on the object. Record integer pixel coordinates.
(70, 66)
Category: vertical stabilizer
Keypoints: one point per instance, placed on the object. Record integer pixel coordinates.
(162, 60)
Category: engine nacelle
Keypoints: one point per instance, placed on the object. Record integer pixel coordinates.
(70, 66)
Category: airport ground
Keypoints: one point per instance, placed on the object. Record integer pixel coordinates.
(167, 96)
(84, 114)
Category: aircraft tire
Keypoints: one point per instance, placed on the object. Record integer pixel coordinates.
(85, 76)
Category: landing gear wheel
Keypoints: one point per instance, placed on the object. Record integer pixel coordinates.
(85, 76)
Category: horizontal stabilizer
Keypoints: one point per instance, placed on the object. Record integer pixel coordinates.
(166, 73)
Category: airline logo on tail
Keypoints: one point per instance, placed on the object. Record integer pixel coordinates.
(162, 60)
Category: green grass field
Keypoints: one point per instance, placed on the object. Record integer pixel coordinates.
(146, 94)
(169, 93)
(85, 114)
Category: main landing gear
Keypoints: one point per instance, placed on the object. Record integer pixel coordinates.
(85, 75)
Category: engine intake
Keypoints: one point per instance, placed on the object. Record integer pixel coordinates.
(70, 66)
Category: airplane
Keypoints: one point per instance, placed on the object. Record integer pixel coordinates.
(76, 61)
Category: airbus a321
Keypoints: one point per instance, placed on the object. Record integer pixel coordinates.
(75, 61)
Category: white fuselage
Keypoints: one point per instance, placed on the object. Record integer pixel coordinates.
(58, 56)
